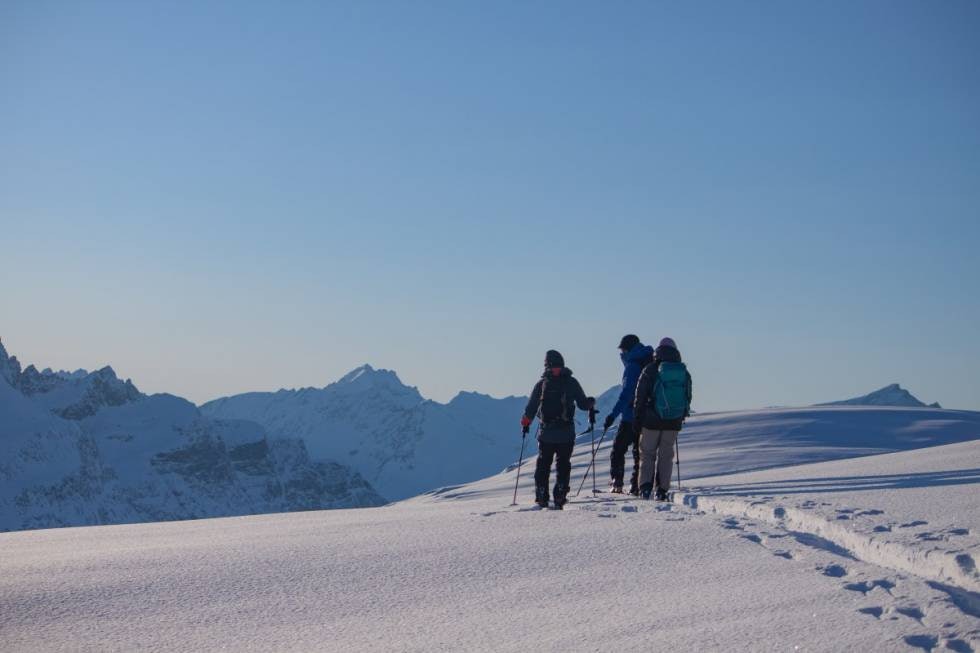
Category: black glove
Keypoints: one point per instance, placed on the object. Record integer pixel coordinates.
(609, 422)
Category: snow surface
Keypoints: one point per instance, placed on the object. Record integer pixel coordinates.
(728, 566)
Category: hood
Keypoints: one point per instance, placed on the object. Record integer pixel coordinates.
(550, 373)
(636, 354)
(667, 354)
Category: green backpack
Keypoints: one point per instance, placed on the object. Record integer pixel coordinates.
(670, 398)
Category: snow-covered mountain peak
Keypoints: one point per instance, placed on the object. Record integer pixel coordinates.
(9, 366)
(891, 395)
(366, 374)
(369, 379)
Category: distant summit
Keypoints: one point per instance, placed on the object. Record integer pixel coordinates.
(890, 395)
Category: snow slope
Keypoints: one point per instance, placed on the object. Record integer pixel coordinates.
(88, 448)
(464, 570)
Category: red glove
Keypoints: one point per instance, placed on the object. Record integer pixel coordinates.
(525, 421)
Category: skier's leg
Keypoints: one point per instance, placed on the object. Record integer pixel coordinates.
(564, 471)
(618, 455)
(542, 471)
(665, 459)
(635, 443)
(648, 457)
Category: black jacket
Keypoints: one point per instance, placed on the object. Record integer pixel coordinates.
(560, 431)
(644, 413)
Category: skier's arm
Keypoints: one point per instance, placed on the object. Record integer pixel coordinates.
(583, 402)
(532, 404)
(690, 394)
(641, 395)
(625, 394)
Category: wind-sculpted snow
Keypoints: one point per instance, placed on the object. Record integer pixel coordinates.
(85, 449)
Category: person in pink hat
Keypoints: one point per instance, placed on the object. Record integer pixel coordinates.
(662, 403)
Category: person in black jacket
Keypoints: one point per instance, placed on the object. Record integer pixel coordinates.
(659, 435)
(553, 401)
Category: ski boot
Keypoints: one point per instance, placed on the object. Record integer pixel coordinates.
(541, 496)
(616, 488)
(634, 490)
(645, 492)
(662, 495)
(561, 496)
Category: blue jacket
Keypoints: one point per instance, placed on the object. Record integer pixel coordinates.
(633, 361)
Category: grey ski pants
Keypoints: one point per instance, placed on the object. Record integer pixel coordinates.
(656, 457)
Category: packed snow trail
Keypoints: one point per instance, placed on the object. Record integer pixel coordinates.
(471, 573)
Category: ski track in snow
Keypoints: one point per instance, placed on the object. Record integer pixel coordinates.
(929, 612)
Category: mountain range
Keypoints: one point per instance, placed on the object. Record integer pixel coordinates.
(87, 448)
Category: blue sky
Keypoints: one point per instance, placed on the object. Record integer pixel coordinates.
(230, 196)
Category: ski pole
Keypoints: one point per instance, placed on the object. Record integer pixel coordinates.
(582, 484)
(521, 462)
(592, 428)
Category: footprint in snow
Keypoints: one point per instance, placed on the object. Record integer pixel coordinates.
(966, 562)
(911, 612)
(925, 642)
(835, 571)
(929, 536)
(873, 511)
(882, 528)
(629, 509)
(959, 531)
(783, 554)
(958, 645)
(913, 524)
(866, 586)
(874, 611)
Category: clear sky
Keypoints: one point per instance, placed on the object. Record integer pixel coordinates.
(217, 197)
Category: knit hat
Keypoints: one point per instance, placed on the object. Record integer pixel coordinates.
(628, 342)
(668, 342)
(553, 359)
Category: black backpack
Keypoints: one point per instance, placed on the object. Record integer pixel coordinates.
(554, 400)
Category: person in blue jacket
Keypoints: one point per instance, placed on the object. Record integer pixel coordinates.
(635, 356)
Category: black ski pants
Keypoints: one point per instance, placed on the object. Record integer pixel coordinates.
(626, 437)
(548, 451)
